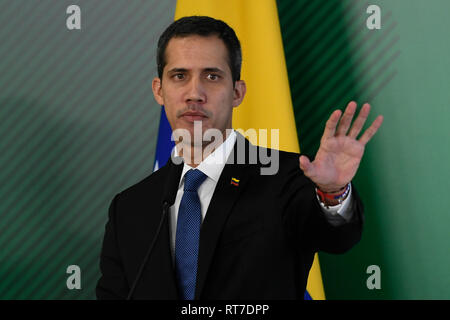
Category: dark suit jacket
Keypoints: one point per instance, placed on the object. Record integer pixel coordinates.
(257, 240)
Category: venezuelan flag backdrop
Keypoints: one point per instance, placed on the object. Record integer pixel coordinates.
(78, 123)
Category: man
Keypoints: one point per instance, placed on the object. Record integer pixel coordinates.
(230, 232)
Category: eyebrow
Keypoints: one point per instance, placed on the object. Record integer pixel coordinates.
(212, 69)
(174, 70)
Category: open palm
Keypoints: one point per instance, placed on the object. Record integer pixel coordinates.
(340, 153)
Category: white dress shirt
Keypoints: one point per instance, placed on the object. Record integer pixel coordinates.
(212, 167)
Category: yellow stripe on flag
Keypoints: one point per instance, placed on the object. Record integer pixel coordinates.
(267, 104)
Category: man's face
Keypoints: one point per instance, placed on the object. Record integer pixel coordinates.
(197, 84)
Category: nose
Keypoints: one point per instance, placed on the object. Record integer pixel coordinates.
(195, 91)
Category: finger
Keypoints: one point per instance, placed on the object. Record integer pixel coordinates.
(359, 121)
(369, 133)
(330, 126)
(306, 166)
(346, 119)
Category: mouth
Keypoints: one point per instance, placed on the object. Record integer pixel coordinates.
(193, 116)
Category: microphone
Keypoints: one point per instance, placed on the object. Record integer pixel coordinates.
(169, 195)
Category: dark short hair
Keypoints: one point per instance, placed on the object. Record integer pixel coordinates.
(202, 26)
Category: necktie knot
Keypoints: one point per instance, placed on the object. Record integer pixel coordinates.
(193, 179)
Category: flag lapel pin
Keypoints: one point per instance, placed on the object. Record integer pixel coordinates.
(235, 182)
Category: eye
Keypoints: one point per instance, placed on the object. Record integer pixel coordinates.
(212, 77)
(178, 76)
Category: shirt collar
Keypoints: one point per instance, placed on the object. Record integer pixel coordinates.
(213, 164)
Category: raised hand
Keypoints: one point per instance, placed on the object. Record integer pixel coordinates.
(340, 153)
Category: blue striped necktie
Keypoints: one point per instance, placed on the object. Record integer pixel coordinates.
(188, 234)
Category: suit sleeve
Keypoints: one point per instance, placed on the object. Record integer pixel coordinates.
(112, 283)
(306, 223)
(321, 235)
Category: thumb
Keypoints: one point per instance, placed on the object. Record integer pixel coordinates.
(306, 166)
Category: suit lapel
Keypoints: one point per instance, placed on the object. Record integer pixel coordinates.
(225, 195)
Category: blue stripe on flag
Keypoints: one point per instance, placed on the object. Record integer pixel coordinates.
(307, 296)
(164, 145)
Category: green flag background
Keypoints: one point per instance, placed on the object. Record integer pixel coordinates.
(78, 124)
(403, 70)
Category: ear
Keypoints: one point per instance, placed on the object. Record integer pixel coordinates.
(157, 90)
(239, 92)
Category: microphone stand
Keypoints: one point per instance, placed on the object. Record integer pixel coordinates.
(166, 206)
